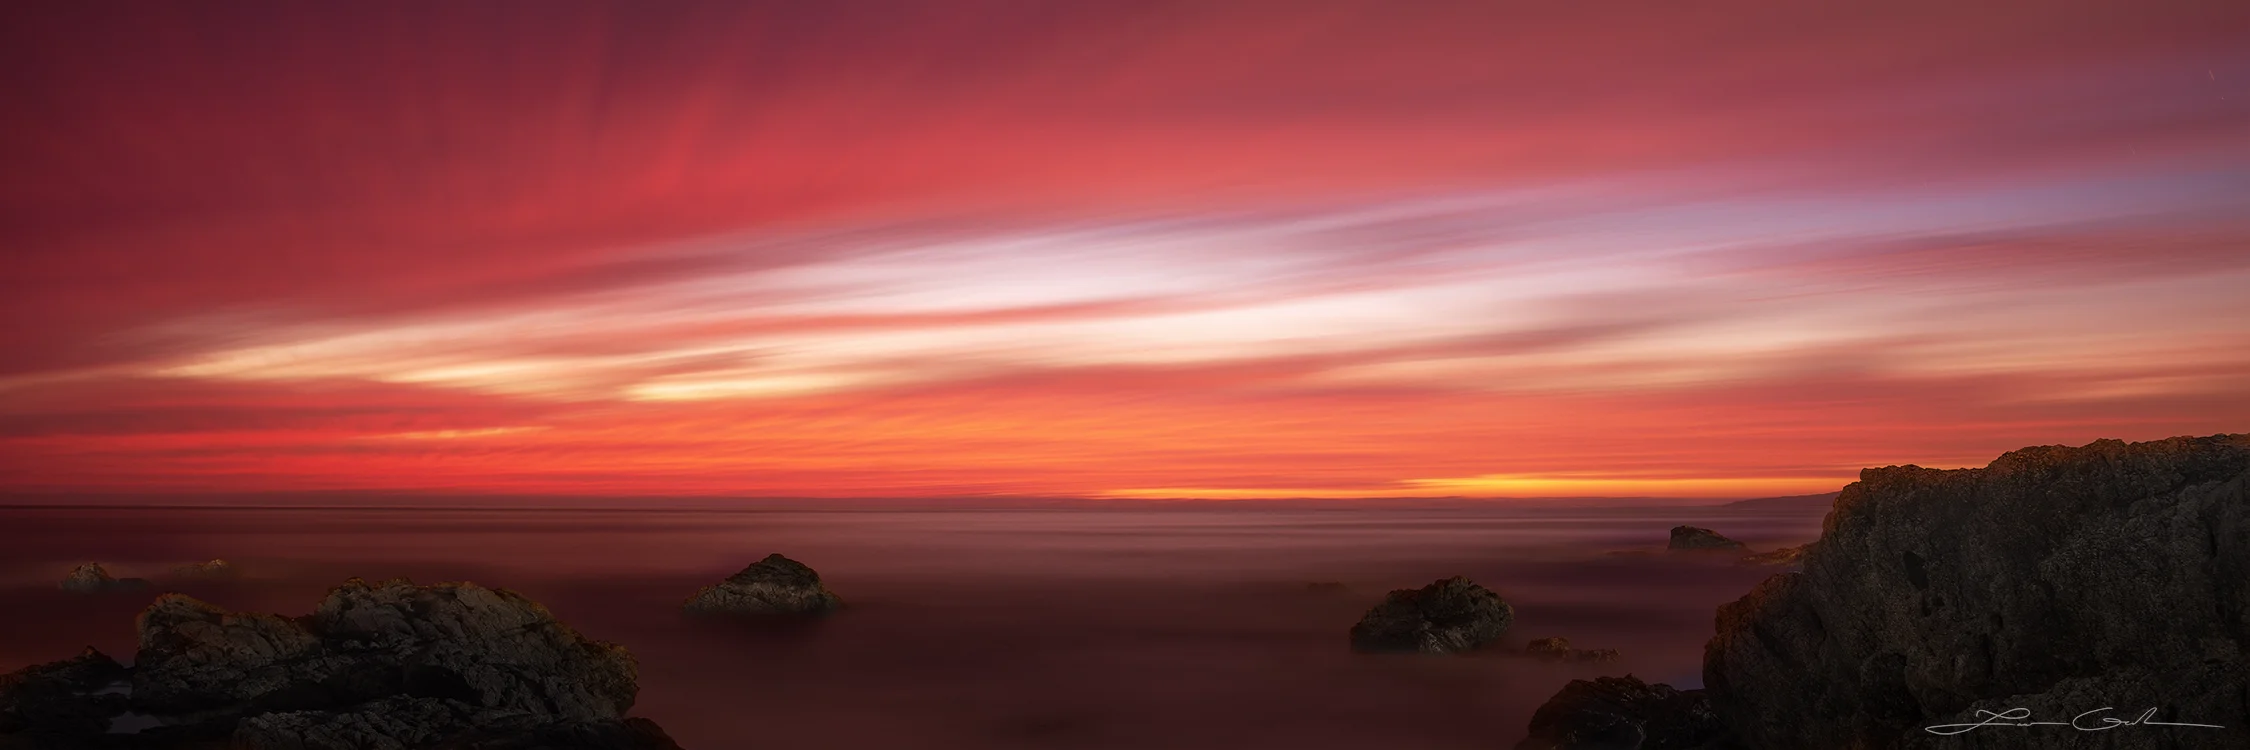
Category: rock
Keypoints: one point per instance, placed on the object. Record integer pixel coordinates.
(1448, 616)
(208, 570)
(49, 702)
(1783, 556)
(1558, 649)
(774, 586)
(1623, 713)
(2059, 580)
(93, 578)
(1696, 538)
(391, 665)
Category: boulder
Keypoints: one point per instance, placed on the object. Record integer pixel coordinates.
(1699, 539)
(2057, 580)
(1623, 713)
(1783, 556)
(93, 578)
(1448, 616)
(1558, 649)
(208, 570)
(50, 702)
(391, 665)
(776, 585)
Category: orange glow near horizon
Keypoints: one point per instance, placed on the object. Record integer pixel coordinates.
(1226, 250)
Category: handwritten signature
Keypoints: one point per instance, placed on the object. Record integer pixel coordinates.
(2085, 722)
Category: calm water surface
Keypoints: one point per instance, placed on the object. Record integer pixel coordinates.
(1139, 625)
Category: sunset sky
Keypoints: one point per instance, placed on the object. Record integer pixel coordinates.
(1148, 249)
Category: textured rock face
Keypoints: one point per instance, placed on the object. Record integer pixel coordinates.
(92, 577)
(1696, 538)
(774, 586)
(2060, 580)
(51, 702)
(1558, 649)
(390, 665)
(1623, 713)
(208, 570)
(1783, 556)
(1447, 616)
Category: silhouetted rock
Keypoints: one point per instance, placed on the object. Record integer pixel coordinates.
(2059, 580)
(1697, 539)
(209, 570)
(774, 586)
(93, 578)
(1623, 713)
(1558, 649)
(1783, 556)
(391, 665)
(52, 702)
(1447, 616)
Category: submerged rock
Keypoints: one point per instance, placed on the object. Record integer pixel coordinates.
(214, 569)
(1623, 713)
(391, 665)
(1558, 649)
(1783, 556)
(1448, 616)
(93, 578)
(776, 585)
(1697, 538)
(2057, 580)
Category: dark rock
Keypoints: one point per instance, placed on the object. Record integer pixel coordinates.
(1783, 556)
(1448, 616)
(1623, 713)
(1696, 539)
(2060, 580)
(391, 665)
(93, 578)
(61, 699)
(209, 570)
(774, 586)
(1558, 649)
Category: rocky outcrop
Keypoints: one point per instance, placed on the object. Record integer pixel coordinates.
(1623, 713)
(1448, 616)
(1783, 556)
(390, 665)
(208, 570)
(2058, 580)
(50, 703)
(1558, 649)
(1699, 539)
(93, 578)
(774, 586)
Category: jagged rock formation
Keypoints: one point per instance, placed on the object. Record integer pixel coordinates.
(93, 578)
(214, 569)
(774, 586)
(1448, 616)
(1697, 539)
(1783, 556)
(1623, 713)
(1558, 649)
(2060, 580)
(391, 665)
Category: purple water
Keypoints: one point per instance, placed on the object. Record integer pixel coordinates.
(1119, 625)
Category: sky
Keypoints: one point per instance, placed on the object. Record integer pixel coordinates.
(1150, 249)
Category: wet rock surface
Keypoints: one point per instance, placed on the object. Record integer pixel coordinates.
(1699, 539)
(92, 578)
(776, 585)
(390, 665)
(2059, 580)
(1559, 649)
(1448, 616)
(1624, 713)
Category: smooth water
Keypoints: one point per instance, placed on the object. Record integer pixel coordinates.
(1112, 625)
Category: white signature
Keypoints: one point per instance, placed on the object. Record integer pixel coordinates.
(2015, 717)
